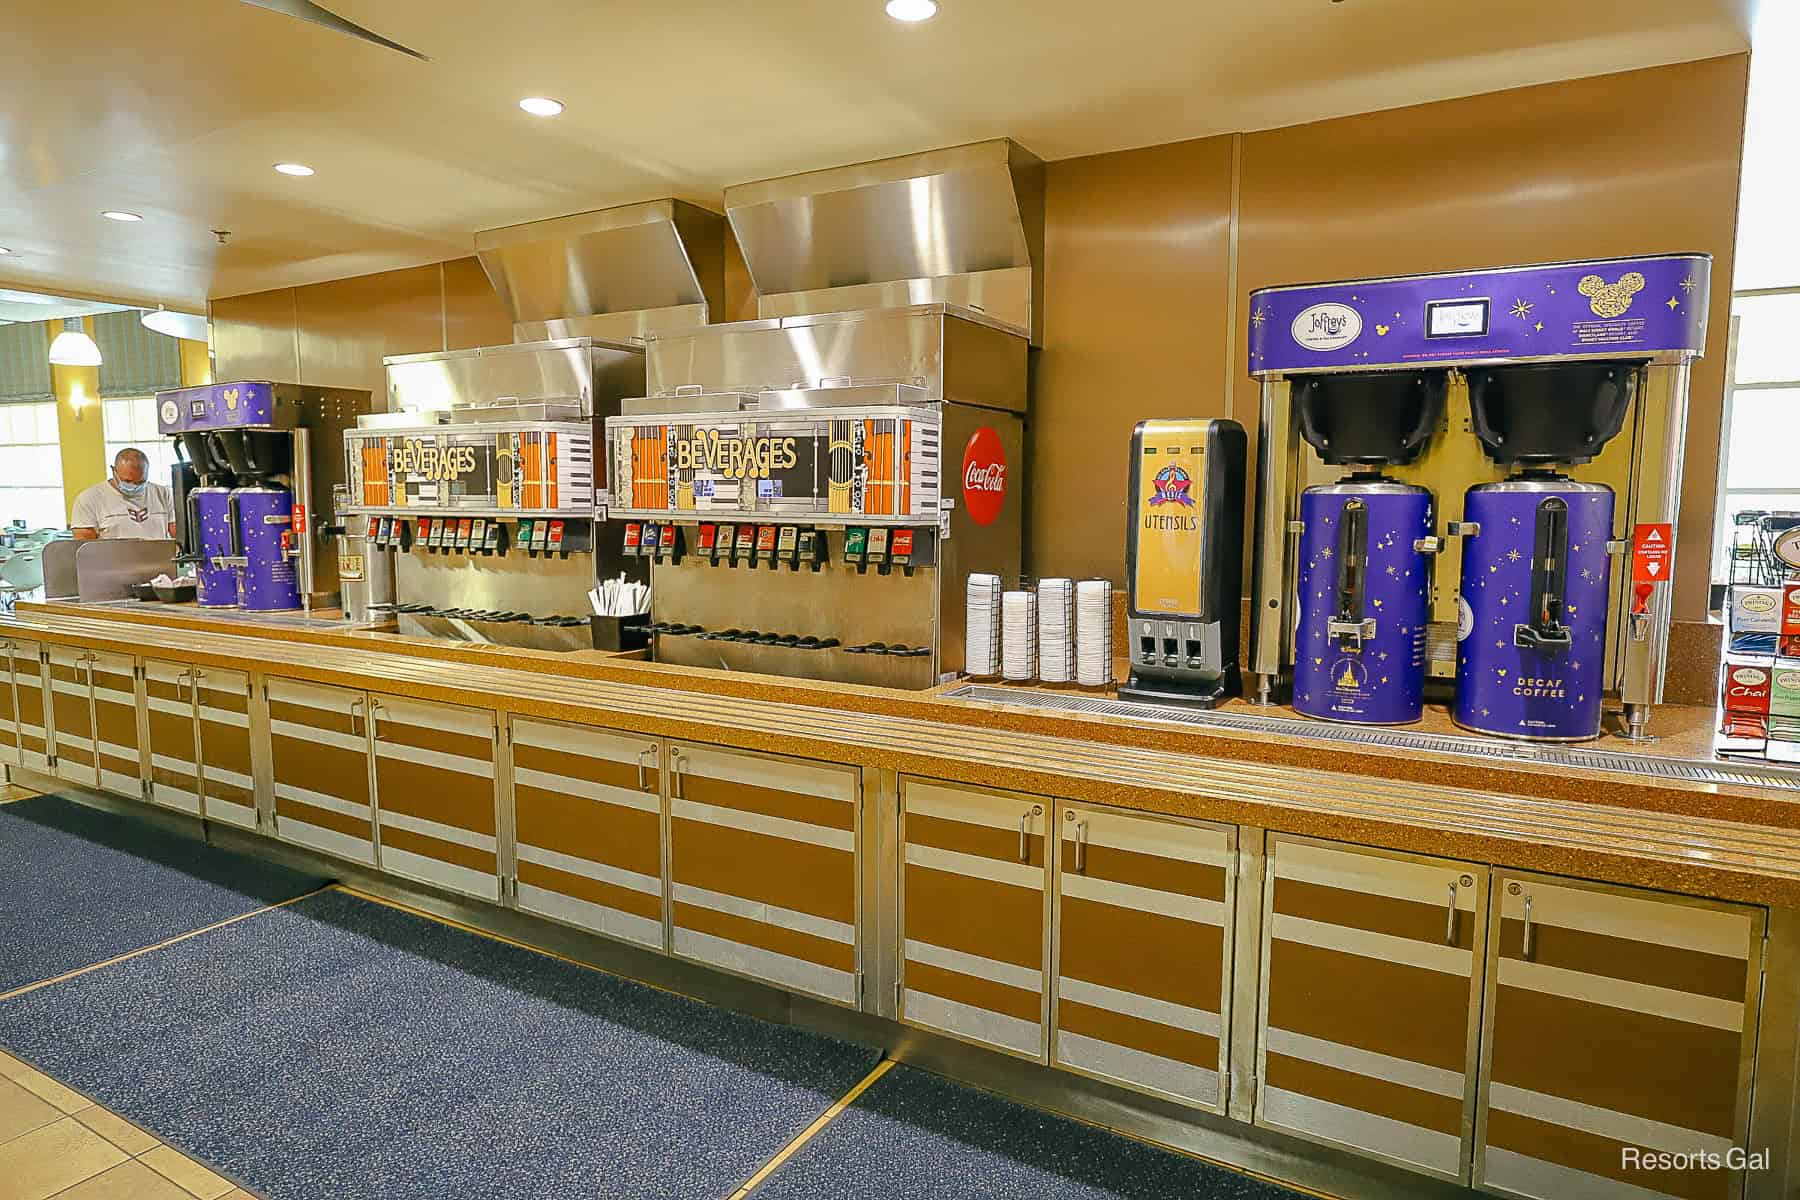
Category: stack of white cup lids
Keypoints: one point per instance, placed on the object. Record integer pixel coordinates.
(1018, 636)
(981, 627)
(1093, 632)
(1056, 630)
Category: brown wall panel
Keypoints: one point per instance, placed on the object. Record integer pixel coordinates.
(1644, 162)
(349, 325)
(1136, 258)
(740, 289)
(254, 337)
(473, 314)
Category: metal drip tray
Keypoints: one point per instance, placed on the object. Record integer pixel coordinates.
(1690, 770)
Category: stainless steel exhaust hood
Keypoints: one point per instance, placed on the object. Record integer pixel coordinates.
(962, 226)
(615, 274)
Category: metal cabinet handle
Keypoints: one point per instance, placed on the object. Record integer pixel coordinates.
(643, 778)
(1450, 917)
(183, 682)
(1080, 844)
(355, 717)
(1525, 944)
(1025, 831)
(375, 711)
(675, 785)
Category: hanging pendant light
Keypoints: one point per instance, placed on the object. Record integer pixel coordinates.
(73, 347)
(190, 326)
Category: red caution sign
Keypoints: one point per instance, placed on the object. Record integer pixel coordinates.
(299, 518)
(1652, 549)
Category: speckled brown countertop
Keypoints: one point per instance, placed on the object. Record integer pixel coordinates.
(1735, 839)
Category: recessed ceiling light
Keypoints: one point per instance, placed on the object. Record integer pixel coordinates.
(116, 215)
(298, 170)
(541, 106)
(912, 10)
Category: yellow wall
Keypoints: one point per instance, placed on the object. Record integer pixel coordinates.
(196, 363)
(79, 432)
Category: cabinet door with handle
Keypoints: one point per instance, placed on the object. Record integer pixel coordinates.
(763, 867)
(435, 794)
(29, 706)
(1143, 952)
(1371, 1001)
(974, 914)
(10, 754)
(174, 753)
(319, 758)
(1615, 1019)
(117, 746)
(69, 671)
(587, 810)
(227, 770)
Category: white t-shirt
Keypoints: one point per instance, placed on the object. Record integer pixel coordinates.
(105, 510)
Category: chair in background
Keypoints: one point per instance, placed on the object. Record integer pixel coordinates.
(21, 574)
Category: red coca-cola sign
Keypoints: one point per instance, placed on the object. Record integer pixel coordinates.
(984, 476)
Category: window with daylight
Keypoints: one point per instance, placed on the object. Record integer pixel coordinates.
(1762, 423)
(31, 486)
(131, 421)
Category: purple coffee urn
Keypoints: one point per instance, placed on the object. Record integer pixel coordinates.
(1364, 589)
(1531, 653)
(264, 519)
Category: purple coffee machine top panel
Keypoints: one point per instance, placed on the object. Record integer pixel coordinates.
(238, 405)
(267, 582)
(1651, 307)
(1363, 588)
(1531, 654)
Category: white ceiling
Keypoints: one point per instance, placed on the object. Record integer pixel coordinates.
(177, 109)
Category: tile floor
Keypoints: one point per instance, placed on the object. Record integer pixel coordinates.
(58, 1143)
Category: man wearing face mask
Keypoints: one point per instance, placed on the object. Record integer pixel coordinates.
(125, 506)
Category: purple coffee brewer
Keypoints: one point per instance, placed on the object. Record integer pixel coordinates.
(1363, 579)
(252, 499)
(1533, 622)
(1537, 555)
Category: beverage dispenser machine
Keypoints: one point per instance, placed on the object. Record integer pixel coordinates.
(253, 489)
(1452, 470)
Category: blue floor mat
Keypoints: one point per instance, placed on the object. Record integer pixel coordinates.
(337, 1049)
(79, 886)
(913, 1135)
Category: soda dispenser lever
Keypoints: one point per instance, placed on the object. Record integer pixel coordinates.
(1549, 579)
(1349, 628)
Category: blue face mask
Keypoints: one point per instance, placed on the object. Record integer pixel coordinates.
(132, 490)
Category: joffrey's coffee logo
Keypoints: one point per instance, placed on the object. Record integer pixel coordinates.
(735, 458)
(441, 464)
(1328, 326)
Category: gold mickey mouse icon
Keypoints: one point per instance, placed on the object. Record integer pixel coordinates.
(1610, 299)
